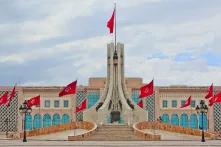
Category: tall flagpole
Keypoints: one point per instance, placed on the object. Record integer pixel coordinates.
(115, 27)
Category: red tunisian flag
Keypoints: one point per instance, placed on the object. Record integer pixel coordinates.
(218, 98)
(140, 103)
(146, 90)
(4, 98)
(35, 101)
(69, 89)
(215, 99)
(187, 102)
(212, 101)
(110, 23)
(12, 95)
(210, 92)
(82, 106)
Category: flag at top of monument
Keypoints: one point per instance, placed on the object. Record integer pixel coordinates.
(4, 98)
(146, 90)
(110, 23)
(35, 101)
(210, 92)
(187, 102)
(69, 89)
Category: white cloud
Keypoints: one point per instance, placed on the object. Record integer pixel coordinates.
(174, 38)
(77, 48)
(168, 72)
(57, 16)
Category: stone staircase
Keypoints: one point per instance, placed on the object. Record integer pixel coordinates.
(113, 133)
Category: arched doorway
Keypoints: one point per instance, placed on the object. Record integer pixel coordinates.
(193, 121)
(65, 119)
(184, 120)
(46, 121)
(28, 122)
(37, 122)
(205, 123)
(175, 119)
(56, 119)
(165, 118)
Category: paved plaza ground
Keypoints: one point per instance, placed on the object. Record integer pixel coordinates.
(60, 139)
(35, 143)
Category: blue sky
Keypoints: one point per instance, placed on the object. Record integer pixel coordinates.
(54, 42)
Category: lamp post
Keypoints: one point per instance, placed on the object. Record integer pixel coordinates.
(25, 109)
(202, 109)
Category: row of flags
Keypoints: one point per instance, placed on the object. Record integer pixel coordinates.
(6, 98)
(145, 91)
(212, 99)
(148, 90)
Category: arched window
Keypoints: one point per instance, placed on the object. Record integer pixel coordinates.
(184, 120)
(205, 123)
(165, 118)
(175, 119)
(37, 122)
(28, 122)
(65, 119)
(56, 119)
(46, 121)
(193, 121)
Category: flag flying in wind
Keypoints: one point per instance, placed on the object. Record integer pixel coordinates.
(12, 95)
(146, 90)
(140, 103)
(187, 102)
(215, 99)
(4, 98)
(210, 92)
(110, 23)
(211, 101)
(218, 98)
(82, 106)
(35, 101)
(69, 89)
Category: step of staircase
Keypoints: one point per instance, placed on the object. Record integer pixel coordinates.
(113, 133)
